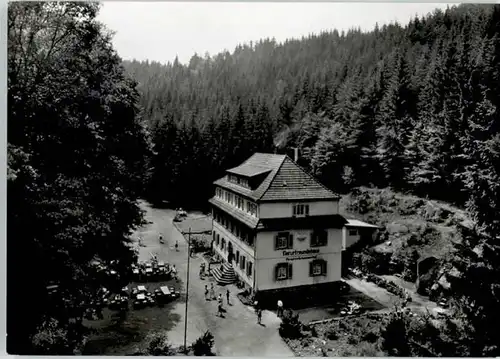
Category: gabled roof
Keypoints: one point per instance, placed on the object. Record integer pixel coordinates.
(286, 180)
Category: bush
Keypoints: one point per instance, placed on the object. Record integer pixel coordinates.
(203, 345)
(331, 334)
(395, 337)
(159, 346)
(290, 327)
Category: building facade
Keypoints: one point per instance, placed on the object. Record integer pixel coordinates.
(277, 226)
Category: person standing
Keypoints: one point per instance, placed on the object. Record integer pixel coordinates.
(206, 292)
(279, 311)
(259, 315)
(176, 246)
(227, 296)
(212, 292)
(174, 273)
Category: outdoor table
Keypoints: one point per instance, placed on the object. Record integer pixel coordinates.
(165, 290)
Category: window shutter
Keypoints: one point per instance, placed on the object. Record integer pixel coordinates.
(324, 264)
(290, 241)
(276, 272)
(311, 266)
(290, 271)
(276, 242)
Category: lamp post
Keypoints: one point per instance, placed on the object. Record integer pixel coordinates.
(187, 290)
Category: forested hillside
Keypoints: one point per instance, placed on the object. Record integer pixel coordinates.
(412, 107)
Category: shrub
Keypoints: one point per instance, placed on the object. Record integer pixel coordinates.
(203, 345)
(370, 337)
(290, 326)
(159, 346)
(331, 334)
(395, 337)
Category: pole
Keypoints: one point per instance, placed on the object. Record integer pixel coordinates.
(187, 290)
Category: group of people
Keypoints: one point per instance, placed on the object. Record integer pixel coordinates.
(210, 295)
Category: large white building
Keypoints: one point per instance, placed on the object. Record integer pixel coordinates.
(278, 227)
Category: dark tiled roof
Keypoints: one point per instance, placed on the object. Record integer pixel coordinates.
(243, 217)
(293, 183)
(268, 161)
(276, 224)
(286, 180)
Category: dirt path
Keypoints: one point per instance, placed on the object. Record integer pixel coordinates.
(418, 303)
(237, 334)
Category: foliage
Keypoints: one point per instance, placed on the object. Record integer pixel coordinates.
(397, 99)
(290, 326)
(159, 346)
(76, 155)
(395, 335)
(203, 345)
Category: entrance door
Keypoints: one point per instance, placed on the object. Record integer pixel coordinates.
(230, 253)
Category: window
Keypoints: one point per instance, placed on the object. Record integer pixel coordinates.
(242, 262)
(353, 232)
(252, 208)
(283, 240)
(237, 257)
(301, 210)
(319, 238)
(249, 269)
(283, 271)
(223, 244)
(317, 268)
(217, 240)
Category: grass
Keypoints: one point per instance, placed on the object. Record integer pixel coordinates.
(115, 336)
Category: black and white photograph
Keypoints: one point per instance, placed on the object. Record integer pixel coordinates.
(253, 179)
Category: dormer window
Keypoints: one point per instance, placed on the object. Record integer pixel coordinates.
(240, 181)
(300, 210)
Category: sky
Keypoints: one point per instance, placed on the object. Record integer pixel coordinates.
(160, 31)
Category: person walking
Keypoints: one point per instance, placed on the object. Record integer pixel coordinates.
(219, 304)
(206, 292)
(227, 296)
(160, 238)
(220, 311)
(279, 311)
(176, 246)
(259, 316)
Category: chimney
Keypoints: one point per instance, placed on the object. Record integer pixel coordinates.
(296, 154)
